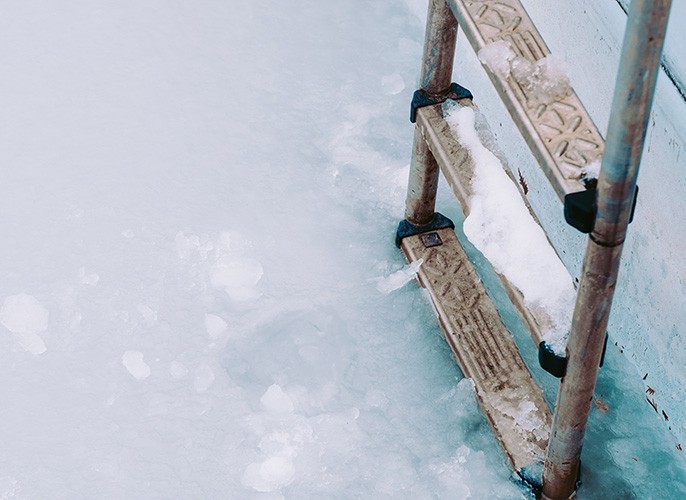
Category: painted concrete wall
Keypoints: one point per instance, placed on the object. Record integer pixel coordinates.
(648, 320)
(675, 47)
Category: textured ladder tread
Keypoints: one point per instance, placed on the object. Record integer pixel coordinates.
(561, 133)
(458, 168)
(485, 350)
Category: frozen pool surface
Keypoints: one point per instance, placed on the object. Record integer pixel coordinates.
(198, 206)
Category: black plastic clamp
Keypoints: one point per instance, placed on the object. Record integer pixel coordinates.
(421, 98)
(406, 228)
(555, 364)
(581, 209)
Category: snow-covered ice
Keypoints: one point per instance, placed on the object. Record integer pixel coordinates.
(238, 278)
(198, 197)
(276, 400)
(592, 170)
(498, 56)
(399, 278)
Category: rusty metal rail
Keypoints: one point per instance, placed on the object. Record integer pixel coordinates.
(633, 97)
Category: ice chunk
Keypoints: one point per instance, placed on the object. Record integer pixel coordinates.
(497, 56)
(501, 227)
(543, 81)
(22, 313)
(276, 400)
(399, 278)
(527, 420)
(133, 362)
(31, 342)
(238, 278)
(26, 317)
(393, 84)
(453, 474)
(215, 326)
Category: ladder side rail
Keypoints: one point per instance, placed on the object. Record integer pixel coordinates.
(634, 92)
(435, 79)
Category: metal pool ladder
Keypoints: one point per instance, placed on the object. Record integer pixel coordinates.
(543, 448)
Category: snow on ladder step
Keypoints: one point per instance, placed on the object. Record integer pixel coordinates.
(545, 107)
(485, 350)
(500, 222)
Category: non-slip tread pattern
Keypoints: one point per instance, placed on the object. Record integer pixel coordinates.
(560, 133)
(485, 350)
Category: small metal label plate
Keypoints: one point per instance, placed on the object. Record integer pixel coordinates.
(431, 240)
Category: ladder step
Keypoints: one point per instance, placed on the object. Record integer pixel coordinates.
(458, 167)
(559, 130)
(485, 350)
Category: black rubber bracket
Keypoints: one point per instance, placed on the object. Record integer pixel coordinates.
(581, 209)
(421, 98)
(406, 229)
(555, 364)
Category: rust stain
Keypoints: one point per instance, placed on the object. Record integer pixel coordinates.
(601, 405)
